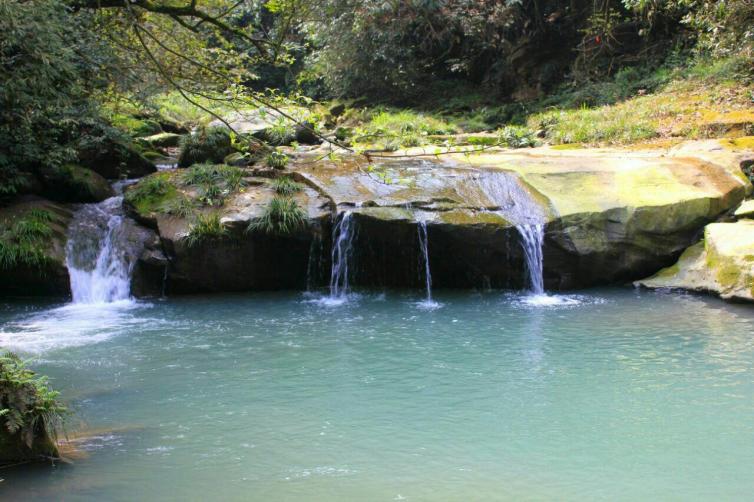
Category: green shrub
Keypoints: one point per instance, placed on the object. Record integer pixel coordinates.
(29, 410)
(211, 144)
(205, 228)
(277, 160)
(283, 215)
(517, 137)
(285, 186)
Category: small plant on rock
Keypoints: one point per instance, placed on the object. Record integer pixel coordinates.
(206, 227)
(285, 186)
(283, 215)
(277, 160)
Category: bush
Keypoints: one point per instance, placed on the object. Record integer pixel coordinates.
(283, 215)
(30, 412)
(211, 144)
(206, 228)
(517, 137)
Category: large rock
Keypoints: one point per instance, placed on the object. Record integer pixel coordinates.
(722, 263)
(52, 277)
(115, 159)
(240, 260)
(72, 183)
(609, 215)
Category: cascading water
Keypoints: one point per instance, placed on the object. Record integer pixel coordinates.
(532, 238)
(342, 251)
(101, 252)
(424, 247)
(517, 206)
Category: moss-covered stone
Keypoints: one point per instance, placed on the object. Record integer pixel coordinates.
(162, 140)
(723, 263)
(34, 265)
(73, 183)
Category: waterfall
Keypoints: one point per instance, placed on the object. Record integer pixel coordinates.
(342, 251)
(517, 206)
(532, 237)
(424, 247)
(101, 253)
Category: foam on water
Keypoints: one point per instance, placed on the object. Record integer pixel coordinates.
(71, 325)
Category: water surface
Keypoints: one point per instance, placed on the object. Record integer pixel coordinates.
(613, 394)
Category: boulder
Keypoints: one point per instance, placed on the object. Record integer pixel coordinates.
(609, 215)
(115, 159)
(50, 278)
(161, 140)
(722, 264)
(73, 183)
(745, 210)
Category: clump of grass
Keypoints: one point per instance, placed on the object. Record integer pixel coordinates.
(31, 412)
(179, 206)
(285, 186)
(276, 160)
(393, 129)
(283, 215)
(25, 242)
(211, 144)
(203, 174)
(205, 228)
(216, 182)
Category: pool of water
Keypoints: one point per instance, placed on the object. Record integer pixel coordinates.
(611, 394)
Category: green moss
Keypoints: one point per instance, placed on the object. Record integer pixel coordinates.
(568, 146)
(152, 193)
(135, 127)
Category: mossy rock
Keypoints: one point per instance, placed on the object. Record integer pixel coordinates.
(73, 183)
(38, 268)
(722, 264)
(211, 144)
(115, 159)
(162, 140)
(135, 126)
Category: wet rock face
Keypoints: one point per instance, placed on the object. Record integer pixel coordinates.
(608, 217)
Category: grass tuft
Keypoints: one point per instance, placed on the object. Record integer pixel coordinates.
(283, 215)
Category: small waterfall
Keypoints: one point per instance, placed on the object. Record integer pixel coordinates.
(517, 206)
(424, 246)
(532, 238)
(101, 252)
(342, 251)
